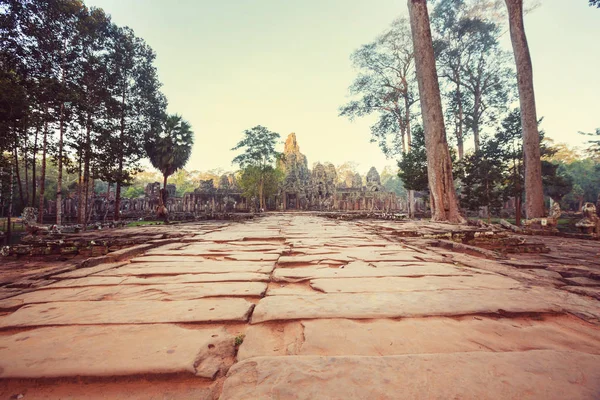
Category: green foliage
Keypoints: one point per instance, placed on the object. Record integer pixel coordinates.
(477, 76)
(585, 174)
(481, 181)
(256, 162)
(594, 148)
(385, 86)
(392, 182)
(258, 145)
(66, 68)
(239, 339)
(556, 184)
(170, 148)
(250, 180)
(413, 165)
(184, 181)
(133, 192)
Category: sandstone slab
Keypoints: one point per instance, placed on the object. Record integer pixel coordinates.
(402, 284)
(189, 267)
(308, 259)
(538, 374)
(165, 292)
(405, 304)
(316, 272)
(83, 272)
(583, 281)
(128, 312)
(114, 351)
(157, 280)
(343, 337)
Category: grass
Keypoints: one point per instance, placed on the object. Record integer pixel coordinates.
(239, 339)
(17, 225)
(144, 223)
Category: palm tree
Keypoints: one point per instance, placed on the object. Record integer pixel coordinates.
(169, 148)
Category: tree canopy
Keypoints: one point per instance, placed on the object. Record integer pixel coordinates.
(170, 147)
(258, 145)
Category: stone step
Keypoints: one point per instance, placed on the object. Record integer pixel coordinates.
(406, 304)
(179, 268)
(402, 284)
(364, 271)
(343, 337)
(165, 292)
(159, 280)
(128, 312)
(537, 374)
(98, 351)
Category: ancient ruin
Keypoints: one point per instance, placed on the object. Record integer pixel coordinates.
(303, 189)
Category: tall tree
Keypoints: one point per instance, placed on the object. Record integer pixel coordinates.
(444, 202)
(594, 148)
(477, 72)
(534, 191)
(138, 107)
(386, 87)
(170, 148)
(259, 152)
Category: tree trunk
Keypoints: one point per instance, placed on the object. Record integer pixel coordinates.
(43, 174)
(117, 216)
(60, 168)
(10, 205)
(407, 116)
(89, 207)
(121, 156)
(25, 163)
(18, 174)
(33, 166)
(80, 186)
(518, 211)
(261, 193)
(534, 193)
(461, 117)
(476, 105)
(86, 169)
(444, 203)
(107, 200)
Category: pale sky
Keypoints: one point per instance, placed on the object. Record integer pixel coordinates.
(230, 65)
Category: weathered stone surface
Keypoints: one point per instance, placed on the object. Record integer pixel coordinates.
(114, 351)
(582, 281)
(342, 337)
(286, 289)
(165, 292)
(576, 270)
(315, 272)
(179, 387)
(407, 304)
(538, 374)
(314, 259)
(586, 291)
(401, 284)
(83, 272)
(545, 273)
(128, 312)
(167, 248)
(179, 268)
(157, 280)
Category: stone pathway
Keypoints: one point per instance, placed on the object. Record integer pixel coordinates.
(293, 306)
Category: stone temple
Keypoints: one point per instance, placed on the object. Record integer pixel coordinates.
(320, 189)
